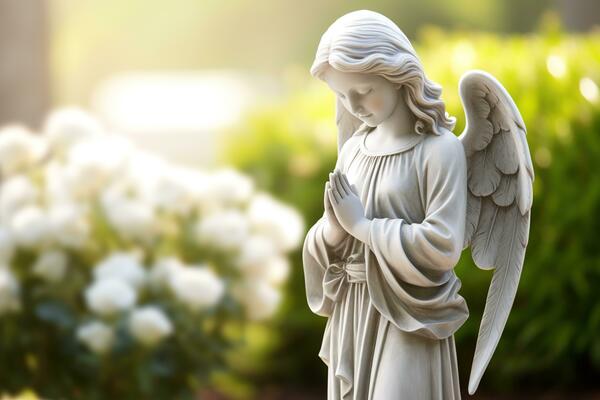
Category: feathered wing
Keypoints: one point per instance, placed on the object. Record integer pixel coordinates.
(346, 122)
(500, 194)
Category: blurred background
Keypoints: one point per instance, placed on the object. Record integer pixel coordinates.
(218, 95)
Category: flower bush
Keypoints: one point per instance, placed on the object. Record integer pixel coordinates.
(123, 275)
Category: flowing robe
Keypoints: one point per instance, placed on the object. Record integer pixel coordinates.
(392, 303)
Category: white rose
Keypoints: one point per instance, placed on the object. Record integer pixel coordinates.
(197, 184)
(56, 183)
(277, 270)
(69, 224)
(68, 126)
(229, 187)
(197, 287)
(255, 253)
(122, 266)
(30, 226)
(19, 149)
(109, 296)
(143, 173)
(225, 230)
(131, 218)
(91, 165)
(172, 190)
(51, 265)
(281, 223)
(149, 325)
(9, 291)
(97, 336)
(259, 299)
(161, 272)
(16, 192)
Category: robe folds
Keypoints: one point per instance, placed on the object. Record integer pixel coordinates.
(392, 303)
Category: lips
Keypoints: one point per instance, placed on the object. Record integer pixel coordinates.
(365, 116)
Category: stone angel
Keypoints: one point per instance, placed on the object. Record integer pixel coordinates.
(405, 198)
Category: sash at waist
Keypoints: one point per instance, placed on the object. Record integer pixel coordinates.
(356, 272)
(339, 274)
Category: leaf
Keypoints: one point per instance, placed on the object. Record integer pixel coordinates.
(56, 313)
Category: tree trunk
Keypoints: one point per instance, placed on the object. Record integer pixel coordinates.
(579, 15)
(24, 69)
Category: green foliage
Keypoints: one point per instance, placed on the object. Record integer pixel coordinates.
(551, 338)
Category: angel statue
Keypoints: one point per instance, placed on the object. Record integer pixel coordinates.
(405, 198)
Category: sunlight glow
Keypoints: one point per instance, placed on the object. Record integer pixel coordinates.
(463, 56)
(589, 89)
(556, 65)
(151, 102)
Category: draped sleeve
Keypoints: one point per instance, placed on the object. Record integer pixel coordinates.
(410, 265)
(317, 255)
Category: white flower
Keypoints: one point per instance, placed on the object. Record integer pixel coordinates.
(121, 266)
(197, 287)
(9, 291)
(161, 272)
(131, 218)
(7, 245)
(92, 164)
(176, 190)
(56, 183)
(149, 325)
(259, 299)
(198, 187)
(281, 223)
(109, 296)
(225, 230)
(277, 270)
(19, 149)
(151, 180)
(51, 265)
(255, 253)
(228, 187)
(16, 192)
(97, 336)
(69, 224)
(30, 227)
(68, 126)
(143, 173)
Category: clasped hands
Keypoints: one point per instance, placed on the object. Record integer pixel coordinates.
(344, 212)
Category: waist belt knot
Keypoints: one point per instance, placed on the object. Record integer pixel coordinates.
(339, 274)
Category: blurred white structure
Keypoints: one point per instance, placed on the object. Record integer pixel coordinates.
(179, 114)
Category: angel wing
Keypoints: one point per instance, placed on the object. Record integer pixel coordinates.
(500, 194)
(346, 122)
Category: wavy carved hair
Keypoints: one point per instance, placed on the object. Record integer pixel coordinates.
(368, 42)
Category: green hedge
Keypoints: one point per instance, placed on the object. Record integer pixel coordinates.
(551, 339)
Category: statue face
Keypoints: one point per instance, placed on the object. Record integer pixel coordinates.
(369, 97)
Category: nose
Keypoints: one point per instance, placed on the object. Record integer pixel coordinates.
(355, 104)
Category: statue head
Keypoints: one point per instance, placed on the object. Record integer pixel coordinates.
(364, 43)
